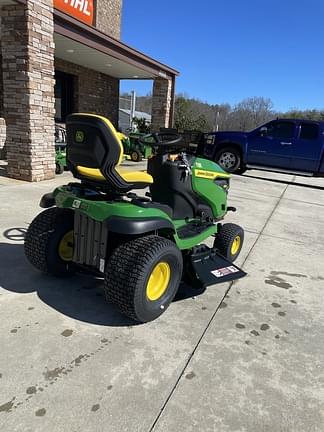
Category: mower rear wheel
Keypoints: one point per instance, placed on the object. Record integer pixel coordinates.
(136, 156)
(229, 241)
(142, 277)
(59, 169)
(49, 242)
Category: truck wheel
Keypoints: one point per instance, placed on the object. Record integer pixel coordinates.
(142, 277)
(59, 169)
(49, 242)
(229, 159)
(136, 156)
(229, 241)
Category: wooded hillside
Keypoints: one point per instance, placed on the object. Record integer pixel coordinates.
(246, 115)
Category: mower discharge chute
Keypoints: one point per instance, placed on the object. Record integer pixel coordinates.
(143, 246)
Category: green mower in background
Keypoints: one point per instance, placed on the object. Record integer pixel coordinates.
(60, 149)
(142, 246)
(133, 147)
(60, 159)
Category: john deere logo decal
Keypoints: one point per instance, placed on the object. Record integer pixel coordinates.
(210, 174)
(79, 136)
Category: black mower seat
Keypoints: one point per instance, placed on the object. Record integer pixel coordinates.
(95, 152)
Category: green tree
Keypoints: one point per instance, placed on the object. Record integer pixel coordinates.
(313, 114)
(141, 125)
(188, 118)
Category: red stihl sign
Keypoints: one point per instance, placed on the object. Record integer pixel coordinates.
(83, 10)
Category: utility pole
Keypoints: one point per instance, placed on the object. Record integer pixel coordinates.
(132, 109)
(216, 122)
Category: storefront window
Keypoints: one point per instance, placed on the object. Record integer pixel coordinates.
(63, 96)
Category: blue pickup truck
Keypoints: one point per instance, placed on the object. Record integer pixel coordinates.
(282, 145)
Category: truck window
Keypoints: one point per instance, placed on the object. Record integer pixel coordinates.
(308, 131)
(281, 130)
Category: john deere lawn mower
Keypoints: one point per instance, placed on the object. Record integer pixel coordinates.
(133, 147)
(60, 149)
(143, 246)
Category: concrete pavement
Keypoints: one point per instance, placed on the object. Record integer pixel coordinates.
(242, 357)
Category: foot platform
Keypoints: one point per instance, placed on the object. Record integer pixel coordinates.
(210, 268)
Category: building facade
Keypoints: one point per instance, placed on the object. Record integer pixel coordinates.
(64, 56)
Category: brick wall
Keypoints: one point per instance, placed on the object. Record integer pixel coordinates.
(2, 120)
(161, 103)
(28, 88)
(94, 92)
(3, 135)
(108, 18)
(1, 81)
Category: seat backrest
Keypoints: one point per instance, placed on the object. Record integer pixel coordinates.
(92, 142)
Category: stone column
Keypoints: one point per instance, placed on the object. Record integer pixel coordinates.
(162, 103)
(108, 17)
(2, 120)
(27, 33)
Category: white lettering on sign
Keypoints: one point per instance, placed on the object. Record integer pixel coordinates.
(82, 10)
(81, 5)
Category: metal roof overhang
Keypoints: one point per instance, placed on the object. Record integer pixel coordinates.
(86, 46)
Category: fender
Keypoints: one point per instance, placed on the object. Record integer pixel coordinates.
(135, 226)
(47, 200)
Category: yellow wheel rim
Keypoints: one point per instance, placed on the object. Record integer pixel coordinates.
(236, 245)
(65, 249)
(158, 281)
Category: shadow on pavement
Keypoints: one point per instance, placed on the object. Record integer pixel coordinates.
(15, 234)
(185, 291)
(286, 182)
(80, 297)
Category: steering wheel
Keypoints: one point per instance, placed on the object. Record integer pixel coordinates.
(161, 139)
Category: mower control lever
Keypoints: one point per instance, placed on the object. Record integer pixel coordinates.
(184, 164)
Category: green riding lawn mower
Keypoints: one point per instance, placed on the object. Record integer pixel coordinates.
(143, 246)
(134, 147)
(60, 149)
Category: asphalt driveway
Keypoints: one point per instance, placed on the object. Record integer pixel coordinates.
(247, 356)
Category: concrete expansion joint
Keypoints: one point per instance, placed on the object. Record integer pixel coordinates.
(201, 338)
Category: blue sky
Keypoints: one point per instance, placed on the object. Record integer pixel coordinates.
(227, 50)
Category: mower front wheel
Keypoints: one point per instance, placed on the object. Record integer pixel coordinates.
(49, 242)
(229, 241)
(59, 169)
(142, 277)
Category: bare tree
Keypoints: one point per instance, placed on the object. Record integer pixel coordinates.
(251, 112)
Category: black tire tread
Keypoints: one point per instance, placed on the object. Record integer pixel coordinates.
(140, 157)
(38, 235)
(124, 269)
(225, 237)
(59, 169)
